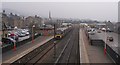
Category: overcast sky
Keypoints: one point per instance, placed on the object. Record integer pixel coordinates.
(82, 10)
(60, 0)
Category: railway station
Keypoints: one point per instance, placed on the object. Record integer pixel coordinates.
(50, 50)
(64, 36)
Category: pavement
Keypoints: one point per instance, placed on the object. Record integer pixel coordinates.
(91, 54)
(12, 56)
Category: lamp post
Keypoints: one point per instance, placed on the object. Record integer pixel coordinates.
(54, 31)
(54, 42)
(33, 34)
(106, 39)
(44, 29)
(14, 42)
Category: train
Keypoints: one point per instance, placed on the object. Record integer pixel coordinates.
(61, 32)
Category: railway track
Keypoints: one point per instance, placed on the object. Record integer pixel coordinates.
(62, 52)
(25, 59)
(70, 52)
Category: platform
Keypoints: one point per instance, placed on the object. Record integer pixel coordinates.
(12, 56)
(91, 54)
(103, 36)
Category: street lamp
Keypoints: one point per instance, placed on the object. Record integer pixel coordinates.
(54, 42)
(33, 34)
(44, 29)
(54, 31)
(105, 39)
(14, 42)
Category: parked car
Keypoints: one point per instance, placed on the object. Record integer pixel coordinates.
(7, 40)
(25, 31)
(92, 31)
(109, 38)
(106, 30)
(103, 29)
(14, 36)
(99, 31)
(109, 30)
(21, 34)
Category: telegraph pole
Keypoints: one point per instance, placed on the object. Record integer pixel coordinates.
(105, 39)
(54, 43)
(33, 33)
(54, 31)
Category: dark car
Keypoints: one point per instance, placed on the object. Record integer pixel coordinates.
(8, 40)
(110, 38)
(20, 34)
(99, 31)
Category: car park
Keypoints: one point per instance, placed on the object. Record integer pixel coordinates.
(22, 32)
